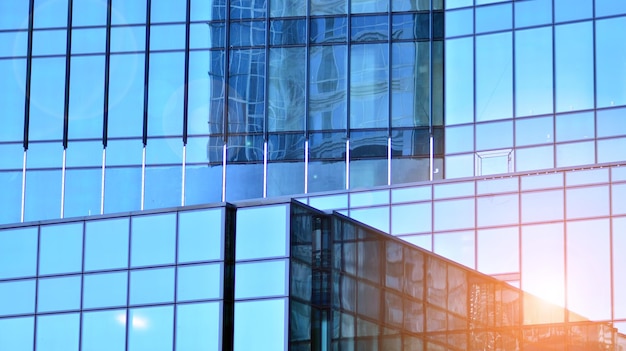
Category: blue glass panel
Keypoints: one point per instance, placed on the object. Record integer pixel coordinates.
(58, 294)
(13, 44)
(18, 248)
(105, 290)
(459, 81)
(369, 28)
(244, 181)
(12, 97)
(286, 89)
(575, 154)
(327, 175)
(612, 150)
(153, 239)
(61, 248)
(151, 286)
(164, 151)
(247, 33)
(618, 191)
(199, 282)
(498, 210)
(377, 217)
(271, 335)
(151, 329)
(86, 97)
(86, 41)
(251, 221)
(370, 6)
(49, 42)
(498, 250)
(409, 5)
(532, 131)
(165, 100)
(83, 191)
(459, 166)
(533, 71)
(591, 176)
(261, 279)
(106, 244)
(587, 202)
(246, 99)
(575, 126)
(322, 7)
(285, 178)
(89, 13)
(124, 152)
(196, 179)
(574, 78)
(14, 14)
(202, 10)
(287, 32)
(126, 92)
(459, 139)
(198, 326)
(409, 219)
(534, 158)
(285, 8)
(329, 30)
(460, 22)
(530, 13)
(493, 18)
(58, 332)
(128, 39)
(457, 246)
(122, 189)
(127, 12)
(247, 9)
(104, 331)
(450, 190)
(195, 244)
(17, 334)
(17, 297)
(163, 186)
(369, 91)
(451, 4)
(50, 13)
(45, 155)
(43, 195)
(464, 218)
(327, 87)
(47, 96)
(167, 11)
(203, 84)
(494, 77)
(611, 122)
(410, 84)
(619, 265)
(542, 206)
(570, 10)
(609, 7)
(609, 63)
(167, 37)
(84, 154)
(495, 135)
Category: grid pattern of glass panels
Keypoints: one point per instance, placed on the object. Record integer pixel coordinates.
(141, 282)
(557, 235)
(112, 107)
(531, 85)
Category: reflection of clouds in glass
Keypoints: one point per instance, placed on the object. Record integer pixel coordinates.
(137, 322)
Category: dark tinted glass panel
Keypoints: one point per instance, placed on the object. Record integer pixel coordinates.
(284, 8)
(408, 170)
(249, 33)
(248, 9)
(369, 75)
(327, 87)
(410, 99)
(286, 91)
(414, 26)
(329, 30)
(369, 28)
(368, 144)
(247, 91)
(287, 32)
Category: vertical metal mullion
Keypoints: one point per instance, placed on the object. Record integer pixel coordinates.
(82, 284)
(389, 89)
(175, 307)
(265, 98)
(128, 319)
(107, 63)
(186, 79)
(68, 61)
(37, 283)
(226, 84)
(29, 63)
(307, 91)
(146, 76)
(348, 88)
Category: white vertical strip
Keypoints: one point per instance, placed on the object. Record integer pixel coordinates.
(63, 182)
(23, 186)
(182, 193)
(431, 173)
(347, 164)
(306, 166)
(264, 169)
(389, 161)
(104, 160)
(143, 176)
(224, 173)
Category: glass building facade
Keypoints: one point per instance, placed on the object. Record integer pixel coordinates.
(490, 132)
(203, 278)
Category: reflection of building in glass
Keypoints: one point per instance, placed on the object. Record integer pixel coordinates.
(181, 279)
(112, 106)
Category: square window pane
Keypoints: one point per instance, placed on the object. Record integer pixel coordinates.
(106, 244)
(58, 294)
(104, 331)
(151, 286)
(16, 334)
(200, 235)
(454, 214)
(58, 332)
(261, 279)
(498, 250)
(262, 232)
(542, 206)
(413, 218)
(498, 210)
(575, 154)
(457, 246)
(17, 297)
(18, 249)
(271, 335)
(151, 329)
(61, 248)
(153, 240)
(199, 282)
(377, 217)
(198, 326)
(587, 202)
(105, 290)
